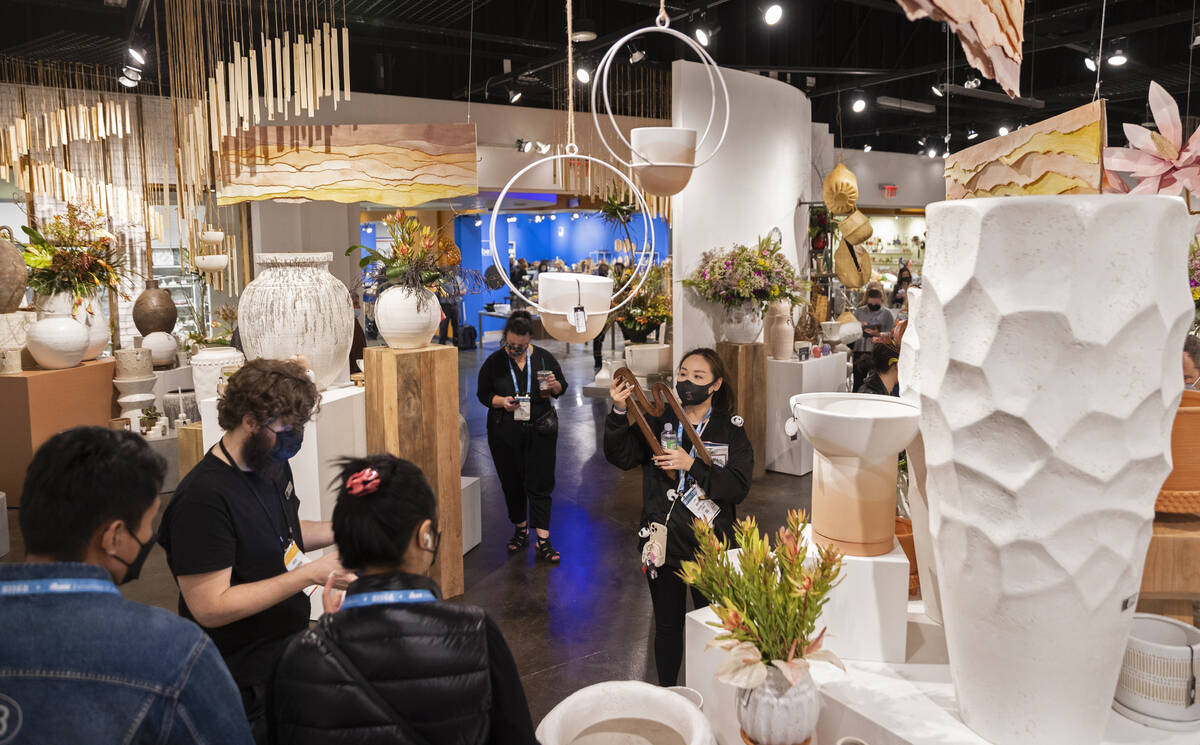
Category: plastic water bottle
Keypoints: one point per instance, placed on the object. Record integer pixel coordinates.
(669, 439)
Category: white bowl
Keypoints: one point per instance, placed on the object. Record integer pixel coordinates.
(559, 294)
(856, 425)
(212, 237)
(211, 262)
(663, 158)
(646, 359)
(624, 712)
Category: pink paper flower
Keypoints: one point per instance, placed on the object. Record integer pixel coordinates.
(1159, 161)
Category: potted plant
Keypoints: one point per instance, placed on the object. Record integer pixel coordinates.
(219, 331)
(420, 261)
(769, 602)
(149, 418)
(743, 280)
(650, 307)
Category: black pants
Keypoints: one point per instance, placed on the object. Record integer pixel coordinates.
(598, 347)
(668, 595)
(525, 464)
(451, 321)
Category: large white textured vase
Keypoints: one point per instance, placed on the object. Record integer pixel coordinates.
(918, 504)
(96, 323)
(407, 317)
(295, 306)
(1050, 333)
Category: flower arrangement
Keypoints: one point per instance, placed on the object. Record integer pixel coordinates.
(419, 257)
(758, 275)
(768, 602)
(74, 254)
(220, 330)
(651, 306)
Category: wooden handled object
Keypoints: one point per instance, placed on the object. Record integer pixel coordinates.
(663, 397)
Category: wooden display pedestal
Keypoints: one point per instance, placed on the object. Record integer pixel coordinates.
(1171, 579)
(38, 404)
(412, 413)
(746, 366)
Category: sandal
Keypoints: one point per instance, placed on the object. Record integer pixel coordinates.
(519, 541)
(546, 552)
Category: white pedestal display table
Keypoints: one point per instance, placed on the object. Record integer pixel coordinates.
(787, 378)
(472, 513)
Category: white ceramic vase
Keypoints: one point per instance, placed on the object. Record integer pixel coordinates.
(777, 712)
(163, 348)
(918, 502)
(407, 318)
(1047, 436)
(206, 369)
(741, 325)
(57, 342)
(625, 711)
(663, 158)
(295, 306)
(96, 323)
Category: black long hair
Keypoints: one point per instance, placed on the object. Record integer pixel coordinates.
(722, 400)
(520, 323)
(375, 526)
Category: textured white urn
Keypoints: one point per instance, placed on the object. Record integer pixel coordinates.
(918, 502)
(206, 369)
(777, 712)
(559, 293)
(625, 711)
(407, 317)
(96, 323)
(1050, 330)
(57, 342)
(295, 306)
(741, 325)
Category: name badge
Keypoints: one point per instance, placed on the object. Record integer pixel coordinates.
(719, 453)
(294, 558)
(699, 504)
(524, 409)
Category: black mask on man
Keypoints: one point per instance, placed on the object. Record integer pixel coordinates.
(287, 444)
(133, 569)
(874, 306)
(691, 393)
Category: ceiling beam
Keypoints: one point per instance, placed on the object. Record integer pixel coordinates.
(453, 33)
(810, 70)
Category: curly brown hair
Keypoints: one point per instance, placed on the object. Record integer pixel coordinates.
(268, 390)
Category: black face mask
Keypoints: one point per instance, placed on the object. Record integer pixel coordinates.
(134, 568)
(287, 444)
(691, 393)
(874, 306)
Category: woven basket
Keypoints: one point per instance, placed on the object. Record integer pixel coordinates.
(1181, 491)
(856, 228)
(1159, 670)
(843, 265)
(840, 190)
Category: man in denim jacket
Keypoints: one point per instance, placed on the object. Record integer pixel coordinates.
(78, 662)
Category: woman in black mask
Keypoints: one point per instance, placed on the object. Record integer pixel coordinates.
(518, 383)
(696, 491)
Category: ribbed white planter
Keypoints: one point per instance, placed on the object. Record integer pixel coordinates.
(406, 318)
(1047, 434)
(96, 323)
(206, 369)
(918, 502)
(741, 325)
(295, 306)
(777, 712)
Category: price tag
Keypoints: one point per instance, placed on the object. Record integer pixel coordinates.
(699, 504)
(524, 408)
(579, 318)
(294, 558)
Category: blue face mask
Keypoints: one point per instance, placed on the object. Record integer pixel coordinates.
(287, 444)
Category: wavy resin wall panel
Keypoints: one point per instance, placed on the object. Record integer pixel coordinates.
(990, 31)
(400, 165)
(1061, 155)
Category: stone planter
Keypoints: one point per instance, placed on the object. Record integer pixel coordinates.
(636, 335)
(1047, 438)
(57, 342)
(777, 712)
(295, 306)
(779, 333)
(741, 325)
(14, 327)
(407, 317)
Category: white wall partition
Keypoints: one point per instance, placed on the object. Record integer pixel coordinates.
(751, 186)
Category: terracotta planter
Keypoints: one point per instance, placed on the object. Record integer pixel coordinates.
(778, 331)
(154, 310)
(663, 158)
(904, 534)
(13, 276)
(1181, 491)
(559, 293)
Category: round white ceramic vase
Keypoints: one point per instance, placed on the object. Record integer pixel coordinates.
(741, 325)
(777, 712)
(57, 342)
(1047, 438)
(206, 369)
(295, 306)
(407, 317)
(96, 323)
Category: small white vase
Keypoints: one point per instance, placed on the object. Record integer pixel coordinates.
(741, 325)
(407, 317)
(777, 712)
(163, 348)
(63, 304)
(206, 369)
(57, 342)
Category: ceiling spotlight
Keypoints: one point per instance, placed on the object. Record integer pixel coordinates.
(972, 83)
(859, 102)
(127, 82)
(773, 14)
(138, 54)
(1002, 131)
(932, 152)
(542, 147)
(575, 216)
(583, 30)
(514, 95)
(636, 54)
(702, 36)
(937, 91)
(583, 75)
(866, 148)
(1118, 58)
(946, 139)
(132, 73)
(524, 146)
(921, 142)
(972, 134)
(1089, 62)
(945, 154)
(478, 222)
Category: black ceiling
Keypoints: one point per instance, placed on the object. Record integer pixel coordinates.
(829, 48)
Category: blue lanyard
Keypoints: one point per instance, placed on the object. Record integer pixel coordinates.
(528, 373)
(387, 597)
(16, 588)
(699, 432)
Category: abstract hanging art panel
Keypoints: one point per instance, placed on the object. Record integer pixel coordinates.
(991, 33)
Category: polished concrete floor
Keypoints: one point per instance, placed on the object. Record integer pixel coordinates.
(572, 625)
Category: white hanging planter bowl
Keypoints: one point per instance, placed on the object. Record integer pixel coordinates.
(562, 292)
(212, 237)
(625, 711)
(662, 157)
(407, 317)
(211, 262)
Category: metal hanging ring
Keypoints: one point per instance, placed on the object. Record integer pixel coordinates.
(663, 20)
(645, 256)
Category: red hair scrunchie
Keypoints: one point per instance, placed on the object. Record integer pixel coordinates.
(365, 481)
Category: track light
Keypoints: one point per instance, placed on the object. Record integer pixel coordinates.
(1003, 130)
(866, 148)
(542, 147)
(478, 222)
(1118, 58)
(921, 142)
(972, 134)
(932, 152)
(583, 30)
(138, 54)
(972, 83)
(132, 73)
(946, 153)
(514, 95)
(636, 54)
(773, 14)
(937, 91)
(1090, 63)
(583, 75)
(127, 82)
(524, 146)
(702, 36)
(859, 102)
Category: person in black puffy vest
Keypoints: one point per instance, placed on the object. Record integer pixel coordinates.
(390, 662)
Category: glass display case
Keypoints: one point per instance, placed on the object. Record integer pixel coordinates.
(187, 288)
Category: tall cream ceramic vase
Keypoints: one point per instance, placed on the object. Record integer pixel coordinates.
(295, 306)
(407, 317)
(1050, 333)
(918, 502)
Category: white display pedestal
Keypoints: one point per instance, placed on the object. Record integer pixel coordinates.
(472, 513)
(787, 378)
(339, 429)
(867, 611)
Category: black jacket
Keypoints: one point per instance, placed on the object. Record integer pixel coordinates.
(496, 379)
(444, 667)
(727, 485)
